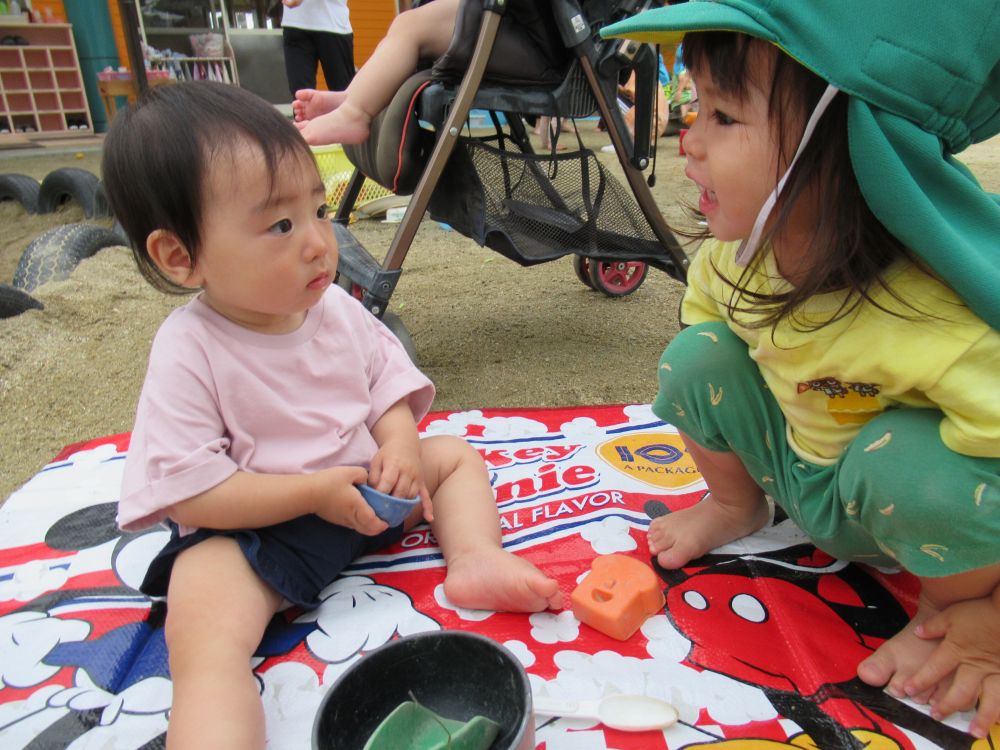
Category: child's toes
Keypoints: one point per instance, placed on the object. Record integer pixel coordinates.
(548, 590)
(960, 696)
(923, 698)
(987, 716)
(672, 558)
(658, 537)
(876, 670)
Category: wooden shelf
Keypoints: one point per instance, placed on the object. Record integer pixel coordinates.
(197, 14)
(41, 88)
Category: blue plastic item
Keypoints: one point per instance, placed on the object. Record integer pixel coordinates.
(393, 510)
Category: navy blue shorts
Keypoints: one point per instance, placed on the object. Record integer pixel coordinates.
(297, 558)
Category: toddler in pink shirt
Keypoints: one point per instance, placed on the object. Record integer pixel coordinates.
(269, 398)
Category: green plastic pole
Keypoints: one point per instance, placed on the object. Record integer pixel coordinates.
(95, 44)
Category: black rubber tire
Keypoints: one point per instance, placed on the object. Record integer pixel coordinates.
(69, 184)
(581, 267)
(395, 324)
(54, 254)
(102, 209)
(118, 229)
(14, 301)
(20, 188)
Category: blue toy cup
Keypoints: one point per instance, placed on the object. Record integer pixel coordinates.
(391, 509)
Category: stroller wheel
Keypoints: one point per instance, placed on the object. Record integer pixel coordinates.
(617, 278)
(581, 266)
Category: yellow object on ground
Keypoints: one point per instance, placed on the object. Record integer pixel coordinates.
(336, 169)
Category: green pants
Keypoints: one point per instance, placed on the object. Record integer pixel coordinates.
(907, 500)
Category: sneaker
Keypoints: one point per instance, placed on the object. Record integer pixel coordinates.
(608, 149)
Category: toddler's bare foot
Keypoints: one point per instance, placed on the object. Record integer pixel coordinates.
(899, 658)
(682, 536)
(500, 581)
(346, 124)
(310, 103)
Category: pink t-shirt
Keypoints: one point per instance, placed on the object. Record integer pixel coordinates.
(219, 398)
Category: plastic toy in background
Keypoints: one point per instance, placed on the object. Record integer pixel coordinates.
(618, 595)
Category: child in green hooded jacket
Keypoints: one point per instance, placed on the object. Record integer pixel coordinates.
(842, 353)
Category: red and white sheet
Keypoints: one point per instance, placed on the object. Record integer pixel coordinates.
(756, 646)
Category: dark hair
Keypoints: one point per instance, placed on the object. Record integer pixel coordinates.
(851, 249)
(158, 152)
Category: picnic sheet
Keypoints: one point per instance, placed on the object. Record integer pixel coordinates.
(756, 647)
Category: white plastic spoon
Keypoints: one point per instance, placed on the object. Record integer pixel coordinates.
(629, 713)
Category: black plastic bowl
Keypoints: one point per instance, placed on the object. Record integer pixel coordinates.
(457, 675)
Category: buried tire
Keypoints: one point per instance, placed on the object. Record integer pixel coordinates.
(20, 188)
(71, 184)
(102, 208)
(14, 301)
(54, 254)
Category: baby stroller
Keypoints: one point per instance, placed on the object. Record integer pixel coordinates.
(530, 207)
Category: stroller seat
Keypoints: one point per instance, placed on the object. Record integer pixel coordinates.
(495, 189)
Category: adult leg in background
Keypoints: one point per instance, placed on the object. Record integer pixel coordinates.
(301, 58)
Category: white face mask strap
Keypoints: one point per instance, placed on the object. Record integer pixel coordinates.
(748, 248)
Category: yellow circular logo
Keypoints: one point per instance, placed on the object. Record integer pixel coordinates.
(656, 458)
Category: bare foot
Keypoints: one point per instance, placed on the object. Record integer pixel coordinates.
(500, 581)
(682, 536)
(899, 658)
(346, 124)
(310, 103)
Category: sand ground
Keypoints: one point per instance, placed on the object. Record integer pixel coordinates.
(489, 332)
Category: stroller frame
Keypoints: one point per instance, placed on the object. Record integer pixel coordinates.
(590, 85)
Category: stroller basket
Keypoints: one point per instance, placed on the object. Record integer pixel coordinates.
(533, 208)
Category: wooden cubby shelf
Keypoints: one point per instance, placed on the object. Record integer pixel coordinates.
(41, 88)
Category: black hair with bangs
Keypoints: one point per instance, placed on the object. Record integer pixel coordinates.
(158, 154)
(851, 249)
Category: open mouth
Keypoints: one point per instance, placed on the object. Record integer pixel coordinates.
(707, 201)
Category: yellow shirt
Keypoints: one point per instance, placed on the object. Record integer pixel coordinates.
(829, 382)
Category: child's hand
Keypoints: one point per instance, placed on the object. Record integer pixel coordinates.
(969, 654)
(397, 470)
(340, 502)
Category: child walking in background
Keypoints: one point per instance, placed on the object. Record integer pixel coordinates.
(269, 397)
(842, 354)
(422, 33)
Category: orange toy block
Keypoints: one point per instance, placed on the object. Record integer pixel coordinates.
(617, 596)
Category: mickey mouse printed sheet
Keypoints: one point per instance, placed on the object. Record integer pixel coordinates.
(756, 647)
